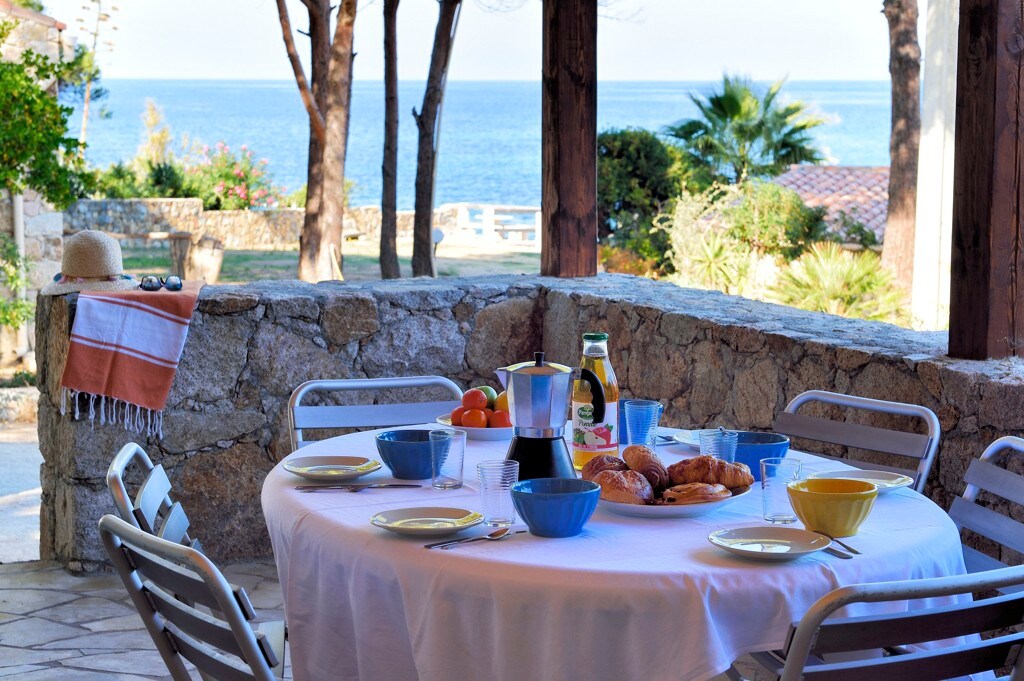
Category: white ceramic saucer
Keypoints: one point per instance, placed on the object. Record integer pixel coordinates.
(426, 521)
(330, 468)
(771, 543)
(883, 480)
(691, 438)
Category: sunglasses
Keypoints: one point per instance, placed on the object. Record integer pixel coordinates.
(151, 283)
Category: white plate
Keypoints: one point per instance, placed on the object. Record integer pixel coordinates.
(769, 543)
(427, 521)
(668, 510)
(884, 480)
(330, 468)
(479, 433)
(691, 438)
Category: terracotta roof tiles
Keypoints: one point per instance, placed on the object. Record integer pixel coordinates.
(861, 192)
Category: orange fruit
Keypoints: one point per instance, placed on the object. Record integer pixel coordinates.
(457, 416)
(499, 419)
(474, 399)
(474, 418)
(488, 412)
(501, 401)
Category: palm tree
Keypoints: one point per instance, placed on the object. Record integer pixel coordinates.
(740, 136)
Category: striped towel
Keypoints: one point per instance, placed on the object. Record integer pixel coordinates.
(125, 347)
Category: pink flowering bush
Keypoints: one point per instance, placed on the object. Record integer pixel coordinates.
(227, 180)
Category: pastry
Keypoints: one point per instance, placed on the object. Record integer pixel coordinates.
(606, 462)
(708, 469)
(694, 493)
(641, 459)
(624, 487)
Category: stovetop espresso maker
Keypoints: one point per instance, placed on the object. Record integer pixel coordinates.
(539, 396)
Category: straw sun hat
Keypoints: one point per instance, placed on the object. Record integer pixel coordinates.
(91, 262)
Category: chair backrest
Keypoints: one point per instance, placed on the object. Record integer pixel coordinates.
(902, 634)
(920, 448)
(152, 510)
(967, 513)
(164, 579)
(366, 415)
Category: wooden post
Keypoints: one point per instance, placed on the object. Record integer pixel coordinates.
(569, 139)
(988, 183)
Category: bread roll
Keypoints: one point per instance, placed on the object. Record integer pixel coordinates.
(713, 471)
(641, 459)
(606, 462)
(694, 493)
(624, 487)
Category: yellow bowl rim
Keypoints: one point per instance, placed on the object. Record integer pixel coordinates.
(794, 485)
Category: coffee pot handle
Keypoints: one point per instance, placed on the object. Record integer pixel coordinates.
(597, 390)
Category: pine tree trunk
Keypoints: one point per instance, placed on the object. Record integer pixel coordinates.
(389, 268)
(320, 52)
(85, 114)
(426, 124)
(905, 72)
(315, 265)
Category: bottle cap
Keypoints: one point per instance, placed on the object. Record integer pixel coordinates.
(595, 336)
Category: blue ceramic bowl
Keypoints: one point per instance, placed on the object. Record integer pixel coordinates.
(555, 507)
(406, 453)
(751, 447)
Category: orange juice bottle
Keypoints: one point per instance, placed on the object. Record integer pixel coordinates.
(595, 402)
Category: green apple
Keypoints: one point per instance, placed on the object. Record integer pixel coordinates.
(491, 394)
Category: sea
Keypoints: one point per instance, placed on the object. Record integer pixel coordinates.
(490, 144)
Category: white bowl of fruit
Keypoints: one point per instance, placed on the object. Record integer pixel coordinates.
(483, 415)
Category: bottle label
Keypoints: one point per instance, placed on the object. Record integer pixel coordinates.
(591, 436)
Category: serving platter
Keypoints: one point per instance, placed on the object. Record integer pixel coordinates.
(329, 468)
(490, 434)
(769, 543)
(885, 481)
(426, 521)
(668, 510)
(691, 438)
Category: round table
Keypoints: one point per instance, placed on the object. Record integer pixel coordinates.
(630, 598)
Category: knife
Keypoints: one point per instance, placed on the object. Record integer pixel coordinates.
(837, 553)
(353, 487)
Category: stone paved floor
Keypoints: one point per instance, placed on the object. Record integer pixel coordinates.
(58, 627)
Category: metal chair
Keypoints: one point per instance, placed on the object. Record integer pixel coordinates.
(900, 634)
(921, 448)
(153, 510)
(965, 511)
(164, 580)
(366, 415)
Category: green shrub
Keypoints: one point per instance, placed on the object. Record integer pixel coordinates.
(14, 277)
(118, 182)
(774, 220)
(829, 279)
(853, 231)
(226, 180)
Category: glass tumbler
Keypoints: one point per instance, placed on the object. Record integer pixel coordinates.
(447, 451)
(642, 418)
(776, 474)
(720, 444)
(496, 480)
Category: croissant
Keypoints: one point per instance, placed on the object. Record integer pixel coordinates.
(642, 460)
(624, 487)
(602, 463)
(708, 469)
(695, 493)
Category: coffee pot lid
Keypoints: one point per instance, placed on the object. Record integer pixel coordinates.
(538, 367)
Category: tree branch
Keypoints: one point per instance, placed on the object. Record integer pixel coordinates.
(316, 118)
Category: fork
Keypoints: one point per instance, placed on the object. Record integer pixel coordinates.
(841, 543)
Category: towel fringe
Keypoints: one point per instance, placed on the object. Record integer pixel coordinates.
(111, 411)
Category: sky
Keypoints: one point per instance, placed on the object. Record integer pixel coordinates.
(637, 39)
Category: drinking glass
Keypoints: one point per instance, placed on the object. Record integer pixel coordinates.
(496, 480)
(776, 474)
(720, 444)
(447, 450)
(642, 418)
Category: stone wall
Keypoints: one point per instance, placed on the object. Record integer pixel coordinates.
(711, 358)
(277, 229)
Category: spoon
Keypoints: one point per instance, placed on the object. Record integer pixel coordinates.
(493, 536)
(497, 534)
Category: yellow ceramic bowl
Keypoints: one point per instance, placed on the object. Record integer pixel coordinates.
(835, 507)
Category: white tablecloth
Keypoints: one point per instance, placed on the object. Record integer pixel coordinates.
(630, 598)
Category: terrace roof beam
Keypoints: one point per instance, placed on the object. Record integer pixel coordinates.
(569, 139)
(987, 276)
